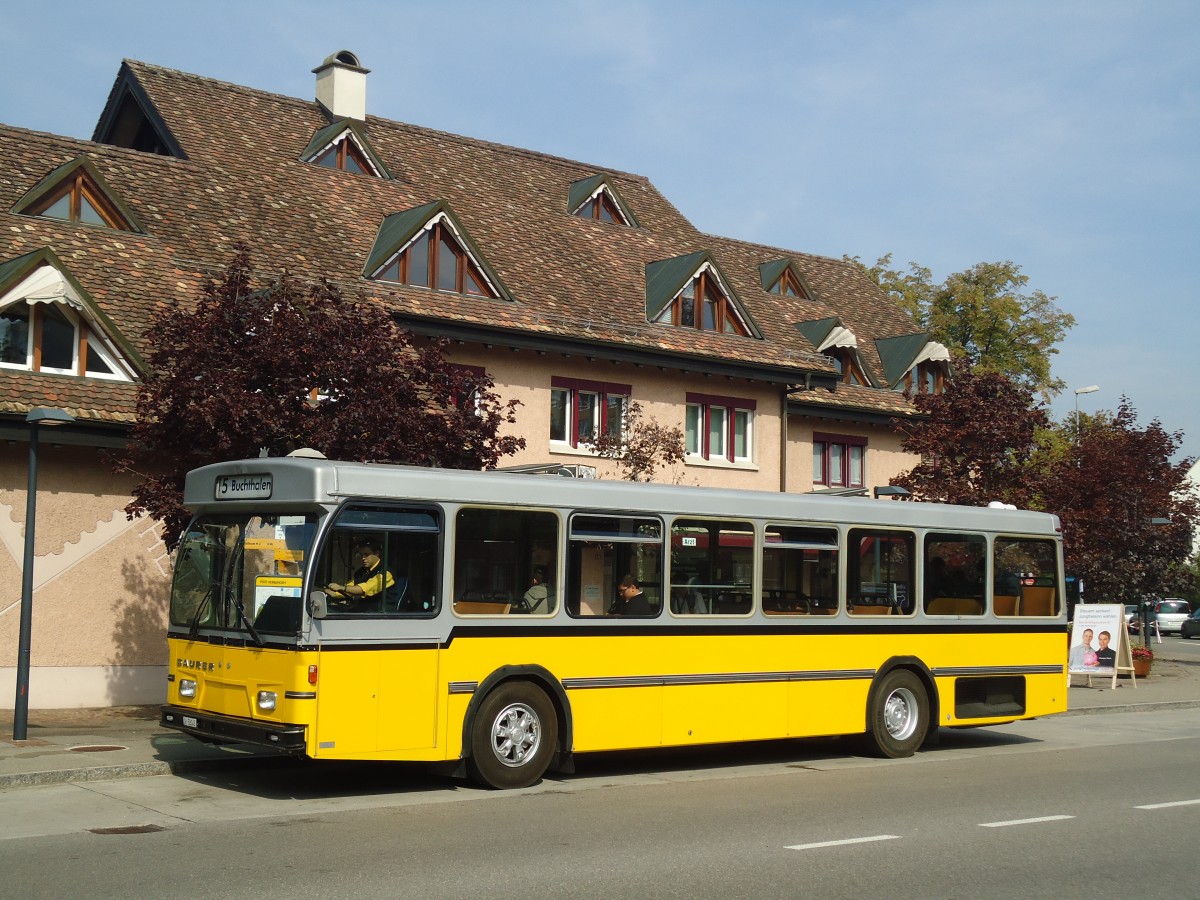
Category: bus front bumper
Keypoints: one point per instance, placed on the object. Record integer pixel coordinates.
(289, 739)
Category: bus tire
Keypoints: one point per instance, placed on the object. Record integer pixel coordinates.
(899, 715)
(513, 736)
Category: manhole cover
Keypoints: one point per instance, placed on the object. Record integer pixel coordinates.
(96, 748)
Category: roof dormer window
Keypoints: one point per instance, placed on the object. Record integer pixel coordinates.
(845, 361)
(426, 247)
(434, 259)
(690, 292)
(703, 304)
(343, 146)
(928, 377)
(48, 325)
(594, 198)
(601, 208)
(783, 278)
(345, 157)
(76, 193)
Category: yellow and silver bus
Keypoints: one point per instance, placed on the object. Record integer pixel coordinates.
(503, 623)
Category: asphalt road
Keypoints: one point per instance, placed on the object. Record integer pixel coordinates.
(1067, 807)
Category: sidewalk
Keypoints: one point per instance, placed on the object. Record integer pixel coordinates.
(76, 745)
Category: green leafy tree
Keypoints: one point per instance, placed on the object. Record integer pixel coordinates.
(278, 367)
(975, 441)
(1108, 488)
(985, 315)
(642, 447)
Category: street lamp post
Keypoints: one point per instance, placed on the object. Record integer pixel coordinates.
(1148, 599)
(1090, 389)
(35, 418)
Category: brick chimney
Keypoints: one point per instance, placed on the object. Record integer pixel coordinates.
(342, 86)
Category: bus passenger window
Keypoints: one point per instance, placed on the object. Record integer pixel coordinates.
(712, 567)
(382, 562)
(954, 574)
(1025, 572)
(800, 571)
(505, 562)
(879, 580)
(604, 550)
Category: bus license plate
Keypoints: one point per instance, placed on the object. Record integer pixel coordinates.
(190, 722)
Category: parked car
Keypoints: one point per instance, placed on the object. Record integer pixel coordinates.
(1191, 625)
(1171, 612)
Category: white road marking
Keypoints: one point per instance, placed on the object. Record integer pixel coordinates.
(1165, 805)
(861, 840)
(1023, 821)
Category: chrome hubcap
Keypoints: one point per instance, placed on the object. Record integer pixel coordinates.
(516, 734)
(900, 714)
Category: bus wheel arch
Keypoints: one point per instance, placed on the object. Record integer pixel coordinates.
(517, 726)
(902, 708)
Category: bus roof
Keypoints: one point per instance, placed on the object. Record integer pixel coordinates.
(283, 483)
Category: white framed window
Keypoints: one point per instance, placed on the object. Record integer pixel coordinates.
(718, 427)
(839, 460)
(580, 410)
(52, 337)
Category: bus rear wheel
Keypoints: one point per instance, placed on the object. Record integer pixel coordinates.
(899, 715)
(513, 737)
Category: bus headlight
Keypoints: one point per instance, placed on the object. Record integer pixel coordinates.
(266, 700)
(187, 688)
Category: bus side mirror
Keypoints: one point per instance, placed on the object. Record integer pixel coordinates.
(318, 605)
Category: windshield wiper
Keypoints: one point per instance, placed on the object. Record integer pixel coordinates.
(204, 603)
(245, 620)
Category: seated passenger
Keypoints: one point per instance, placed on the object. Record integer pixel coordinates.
(630, 600)
(538, 592)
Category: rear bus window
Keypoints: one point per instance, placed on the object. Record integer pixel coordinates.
(1025, 577)
(955, 566)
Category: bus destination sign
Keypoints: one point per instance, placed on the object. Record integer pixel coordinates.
(243, 487)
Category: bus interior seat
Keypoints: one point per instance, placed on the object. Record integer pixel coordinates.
(396, 592)
(1037, 601)
(1006, 604)
(481, 607)
(954, 606)
(861, 609)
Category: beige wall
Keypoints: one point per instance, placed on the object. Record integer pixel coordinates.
(884, 458)
(100, 582)
(526, 376)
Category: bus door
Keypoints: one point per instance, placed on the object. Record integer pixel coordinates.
(380, 566)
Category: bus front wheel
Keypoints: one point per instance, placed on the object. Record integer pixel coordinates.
(514, 735)
(899, 717)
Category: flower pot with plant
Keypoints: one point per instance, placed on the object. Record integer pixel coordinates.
(1142, 657)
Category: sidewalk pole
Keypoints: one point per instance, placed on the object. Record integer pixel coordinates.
(21, 704)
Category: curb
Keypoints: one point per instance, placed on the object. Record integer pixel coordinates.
(127, 770)
(1148, 706)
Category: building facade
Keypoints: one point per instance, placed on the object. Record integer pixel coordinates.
(578, 289)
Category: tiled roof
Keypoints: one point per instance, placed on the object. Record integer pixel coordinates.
(88, 399)
(570, 279)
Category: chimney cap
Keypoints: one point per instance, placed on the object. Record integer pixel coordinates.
(347, 59)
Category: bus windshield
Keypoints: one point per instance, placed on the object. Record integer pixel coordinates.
(242, 573)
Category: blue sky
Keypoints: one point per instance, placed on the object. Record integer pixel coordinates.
(1064, 136)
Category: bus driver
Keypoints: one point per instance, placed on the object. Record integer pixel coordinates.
(368, 580)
